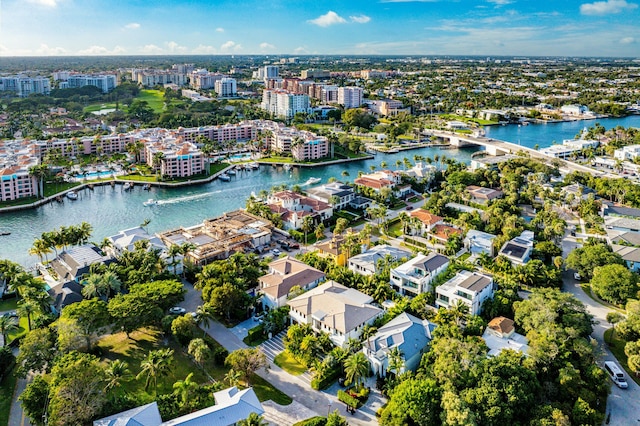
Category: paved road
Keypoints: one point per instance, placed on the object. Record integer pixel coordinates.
(16, 415)
(623, 404)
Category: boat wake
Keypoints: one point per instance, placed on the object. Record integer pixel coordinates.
(233, 193)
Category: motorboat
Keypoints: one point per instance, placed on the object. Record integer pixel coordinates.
(146, 187)
(287, 167)
(127, 186)
(72, 195)
(255, 166)
(3, 234)
(231, 172)
(150, 202)
(224, 177)
(312, 181)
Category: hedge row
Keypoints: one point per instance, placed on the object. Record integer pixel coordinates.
(348, 399)
(326, 381)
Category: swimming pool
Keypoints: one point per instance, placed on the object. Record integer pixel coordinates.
(95, 175)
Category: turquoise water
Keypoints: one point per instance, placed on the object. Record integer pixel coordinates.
(110, 209)
(94, 175)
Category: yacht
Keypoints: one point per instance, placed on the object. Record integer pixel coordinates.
(150, 202)
(231, 172)
(224, 177)
(146, 187)
(127, 186)
(312, 181)
(72, 195)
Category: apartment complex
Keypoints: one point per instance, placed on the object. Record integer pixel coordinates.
(104, 82)
(202, 79)
(350, 97)
(24, 86)
(150, 78)
(226, 87)
(174, 158)
(284, 103)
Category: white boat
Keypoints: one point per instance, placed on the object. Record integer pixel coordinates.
(287, 167)
(146, 187)
(312, 181)
(127, 186)
(72, 195)
(231, 172)
(150, 202)
(255, 166)
(224, 177)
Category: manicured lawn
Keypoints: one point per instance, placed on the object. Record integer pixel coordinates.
(7, 387)
(395, 229)
(155, 99)
(311, 420)
(23, 327)
(288, 363)
(99, 106)
(9, 304)
(216, 167)
(617, 349)
(265, 391)
(55, 188)
(136, 177)
(18, 202)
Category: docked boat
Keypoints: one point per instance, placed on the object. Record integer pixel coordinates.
(127, 186)
(224, 177)
(231, 172)
(4, 234)
(312, 181)
(150, 202)
(287, 167)
(255, 166)
(146, 187)
(72, 195)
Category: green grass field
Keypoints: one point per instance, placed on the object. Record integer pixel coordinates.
(155, 99)
(23, 327)
(288, 363)
(9, 304)
(99, 106)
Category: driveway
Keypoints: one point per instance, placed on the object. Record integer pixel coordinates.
(241, 330)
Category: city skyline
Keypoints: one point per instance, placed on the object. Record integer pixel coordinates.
(405, 27)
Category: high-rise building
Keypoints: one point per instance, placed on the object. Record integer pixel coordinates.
(105, 82)
(226, 87)
(202, 79)
(23, 86)
(284, 103)
(350, 97)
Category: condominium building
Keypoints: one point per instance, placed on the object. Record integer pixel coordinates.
(350, 97)
(150, 78)
(16, 182)
(175, 158)
(226, 87)
(386, 107)
(202, 79)
(267, 72)
(24, 86)
(104, 82)
(283, 103)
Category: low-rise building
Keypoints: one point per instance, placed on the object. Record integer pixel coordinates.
(518, 250)
(367, 263)
(333, 249)
(477, 242)
(428, 219)
(422, 171)
(219, 238)
(126, 240)
(630, 255)
(482, 195)
(415, 276)
(501, 334)
(73, 263)
(335, 310)
(381, 179)
(293, 208)
(621, 224)
(471, 288)
(65, 294)
(406, 333)
(629, 152)
(283, 275)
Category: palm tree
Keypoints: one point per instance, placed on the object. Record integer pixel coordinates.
(254, 419)
(111, 283)
(156, 364)
(186, 248)
(307, 225)
(174, 251)
(185, 388)
(200, 351)
(356, 368)
(145, 223)
(203, 317)
(26, 308)
(233, 377)
(459, 311)
(396, 361)
(319, 232)
(117, 372)
(7, 325)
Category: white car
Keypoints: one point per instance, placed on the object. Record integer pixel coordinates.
(177, 310)
(276, 252)
(577, 277)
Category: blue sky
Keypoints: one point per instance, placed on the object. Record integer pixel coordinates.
(403, 27)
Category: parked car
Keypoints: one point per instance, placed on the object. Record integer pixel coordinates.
(409, 208)
(577, 277)
(177, 310)
(294, 245)
(276, 252)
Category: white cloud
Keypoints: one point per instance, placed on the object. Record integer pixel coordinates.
(101, 50)
(151, 49)
(360, 19)
(203, 50)
(132, 26)
(48, 3)
(627, 40)
(501, 2)
(174, 47)
(230, 45)
(45, 50)
(329, 18)
(300, 50)
(267, 46)
(219, 30)
(608, 7)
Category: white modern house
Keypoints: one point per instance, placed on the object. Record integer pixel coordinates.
(405, 332)
(367, 263)
(232, 406)
(343, 193)
(415, 276)
(500, 335)
(283, 275)
(479, 242)
(335, 310)
(518, 250)
(472, 288)
(126, 240)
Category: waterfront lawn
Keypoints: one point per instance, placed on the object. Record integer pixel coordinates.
(9, 305)
(617, 349)
(217, 167)
(55, 188)
(18, 202)
(288, 363)
(7, 386)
